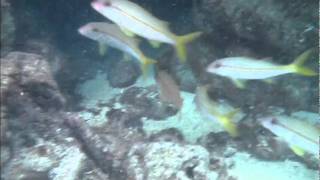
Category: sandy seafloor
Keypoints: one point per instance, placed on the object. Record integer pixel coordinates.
(193, 126)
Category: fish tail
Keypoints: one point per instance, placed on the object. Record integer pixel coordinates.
(227, 123)
(297, 150)
(146, 62)
(181, 44)
(297, 65)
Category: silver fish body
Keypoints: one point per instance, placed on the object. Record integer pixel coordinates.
(109, 34)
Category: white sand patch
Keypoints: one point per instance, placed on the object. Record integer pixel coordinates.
(249, 168)
(70, 165)
(96, 90)
(191, 124)
(93, 91)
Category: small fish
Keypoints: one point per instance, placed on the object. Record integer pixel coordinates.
(244, 68)
(110, 34)
(300, 135)
(209, 109)
(133, 18)
(169, 89)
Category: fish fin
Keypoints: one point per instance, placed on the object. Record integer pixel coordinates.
(155, 44)
(227, 123)
(145, 62)
(102, 49)
(127, 32)
(297, 65)
(268, 81)
(181, 42)
(239, 83)
(165, 24)
(126, 57)
(297, 150)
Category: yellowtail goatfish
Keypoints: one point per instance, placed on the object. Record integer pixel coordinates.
(244, 68)
(300, 135)
(133, 18)
(111, 35)
(209, 109)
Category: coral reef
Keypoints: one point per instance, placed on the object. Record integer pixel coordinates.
(67, 113)
(276, 26)
(169, 160)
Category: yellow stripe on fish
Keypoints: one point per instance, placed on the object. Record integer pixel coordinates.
(110, 34)
(244, 68)
(136, 19)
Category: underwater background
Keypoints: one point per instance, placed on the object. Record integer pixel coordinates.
(71, 110)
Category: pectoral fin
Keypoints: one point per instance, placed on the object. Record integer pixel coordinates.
(155, 44)
(102, 49)
(127, 32)
(297, 150)
(239, 83)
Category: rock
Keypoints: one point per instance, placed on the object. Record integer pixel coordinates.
(168, 135)
(185, 77)
(5, 155)
(31, 100)
(296, 88)
(34, 162)
(45, 48)
(105, 150)
(27, 75)
(4, 125)
(144, 103)
(282, 26)
(167, 160)
(123, 74)
(7, 28)
(69, 166)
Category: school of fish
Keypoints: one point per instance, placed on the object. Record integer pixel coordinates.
(131, 21)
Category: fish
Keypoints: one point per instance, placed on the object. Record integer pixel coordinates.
(301, 135)
(169, 89)
(245, 68)
(132, 18)
(209, 109)
(111, 35)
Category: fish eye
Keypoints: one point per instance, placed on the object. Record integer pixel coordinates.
(106, 3)
(94, 29)
(273, 121)
(217, 65)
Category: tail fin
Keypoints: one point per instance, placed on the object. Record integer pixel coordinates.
(297, 65)
(145, 62)
(227, 123)
(181, 44)
(297, 150)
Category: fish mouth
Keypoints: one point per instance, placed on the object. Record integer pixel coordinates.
(98, 5)
(210, 69)
(82, 30)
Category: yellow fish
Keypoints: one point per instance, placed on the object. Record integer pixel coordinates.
(209, 109)
(301, 135)
(244, 68)
(131, 17)
(110, 34)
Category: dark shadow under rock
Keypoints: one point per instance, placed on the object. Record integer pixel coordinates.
(167, 135)
(123, 73)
